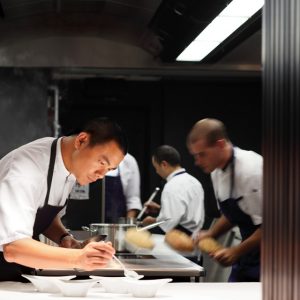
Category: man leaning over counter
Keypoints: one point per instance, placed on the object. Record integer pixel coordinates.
(237, 180)
(35, 181)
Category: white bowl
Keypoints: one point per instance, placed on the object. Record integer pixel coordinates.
(113, 284)
(46, 284)
(145, 288)
(75, 288)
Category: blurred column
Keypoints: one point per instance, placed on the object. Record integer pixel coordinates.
(281, 150)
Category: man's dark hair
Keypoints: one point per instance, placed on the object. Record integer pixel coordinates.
(168, 154)
(103, 130)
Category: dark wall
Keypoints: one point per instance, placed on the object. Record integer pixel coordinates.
(135, 106)
(23, 107)
(162, 112)
(151, 112)
(235, 102)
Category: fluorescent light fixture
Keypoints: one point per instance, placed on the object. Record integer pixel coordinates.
(236, 13)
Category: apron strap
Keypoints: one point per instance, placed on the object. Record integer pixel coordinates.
(51, 169)
(232, 173)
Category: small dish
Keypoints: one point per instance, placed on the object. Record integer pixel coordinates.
(46, 284)
(75, 288)
(113, 284)
(145, 288)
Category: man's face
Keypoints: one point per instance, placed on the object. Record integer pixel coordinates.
(208, 158)
(92, 163)
(158, 168)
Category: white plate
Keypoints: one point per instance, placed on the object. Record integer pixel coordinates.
(75, 288)
(46, 284)
(145, 288)
(113, 284)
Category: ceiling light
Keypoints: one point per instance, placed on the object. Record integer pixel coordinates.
(235, 14)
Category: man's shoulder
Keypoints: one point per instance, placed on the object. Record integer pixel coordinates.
(33, 152)
(248, 166)
(128, 165)
(242, 154)
(178, 182)
(44, 142)
(248, 160)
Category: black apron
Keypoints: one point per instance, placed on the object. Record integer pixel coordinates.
(44, 217)
(247, 268)
(115, 201)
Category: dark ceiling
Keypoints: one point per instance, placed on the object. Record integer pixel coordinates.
(117, 33)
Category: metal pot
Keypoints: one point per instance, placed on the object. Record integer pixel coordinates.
(126, 220)
(115, 233)
(94, 238)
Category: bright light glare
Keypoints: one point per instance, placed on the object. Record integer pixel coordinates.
(242, 8)
(228, 21)
(195, 53)
(220, 28)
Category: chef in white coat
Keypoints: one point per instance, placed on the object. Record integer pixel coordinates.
(35, 181)
(122, 191)
(237, 180)
(182, 198)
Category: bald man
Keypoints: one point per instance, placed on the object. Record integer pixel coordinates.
(237, 181)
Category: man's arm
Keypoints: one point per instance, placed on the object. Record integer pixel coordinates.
(221, 226)
(149, 220)
(132, 213)
(229, 256)
(131, 185)
(56, 230)
(31, 253)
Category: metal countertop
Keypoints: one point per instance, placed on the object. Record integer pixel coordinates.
(161, 261)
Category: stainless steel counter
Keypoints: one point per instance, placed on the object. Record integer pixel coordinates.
(161, 261)
(159, 266)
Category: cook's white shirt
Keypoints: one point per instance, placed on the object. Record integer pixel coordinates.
(248, 173)
(130, 178)
(23, 187)
(182, 200)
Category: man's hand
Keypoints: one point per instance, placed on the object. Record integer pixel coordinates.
(197, 236)
(152, 207)
(95, 255)
(226, 256)
(148, 220)
(69, 242)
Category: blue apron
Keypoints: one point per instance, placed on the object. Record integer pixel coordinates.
(44, 217)
(247, 268)
(115, 201)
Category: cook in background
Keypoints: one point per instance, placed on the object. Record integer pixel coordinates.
(237, 180)
(182, 198)
(35, 181)
(122, 191)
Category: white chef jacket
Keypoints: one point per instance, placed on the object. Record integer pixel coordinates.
(182, 200)
(130, 178)
(248, 173)
(23, 187)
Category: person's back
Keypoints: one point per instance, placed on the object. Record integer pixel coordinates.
(182, 199)
(122, 191)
